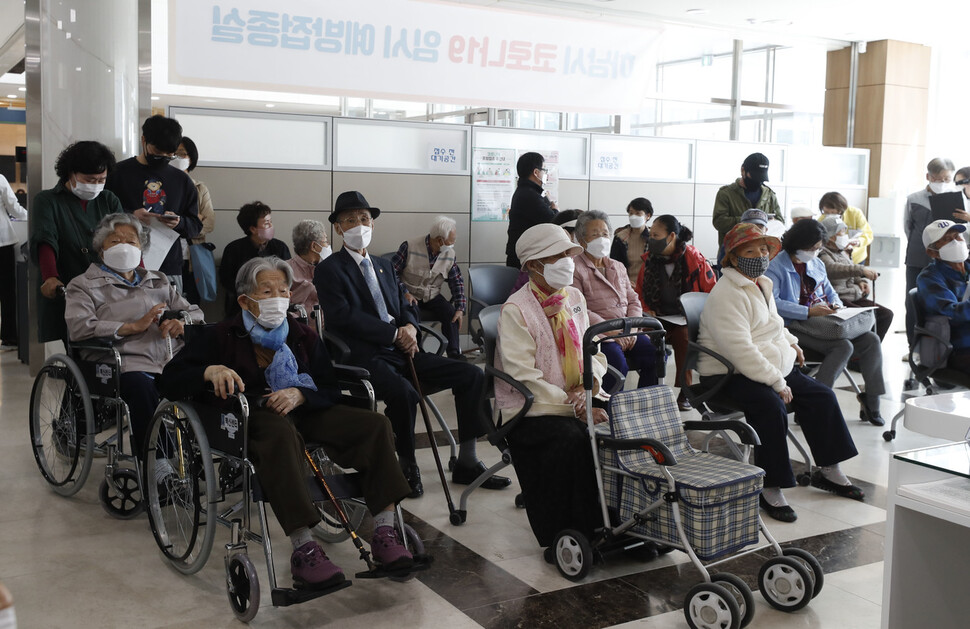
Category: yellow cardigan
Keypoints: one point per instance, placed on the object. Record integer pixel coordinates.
(855, 219)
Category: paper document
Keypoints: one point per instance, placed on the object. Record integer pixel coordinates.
(675, 319)
(847, 313)
(162, 239)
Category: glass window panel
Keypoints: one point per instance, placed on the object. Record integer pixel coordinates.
(800, 78)
(753, 75)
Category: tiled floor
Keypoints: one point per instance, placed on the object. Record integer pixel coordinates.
(69, 564)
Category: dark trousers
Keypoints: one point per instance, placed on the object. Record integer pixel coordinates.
(442, 311)
(884, 316)
(818, 414)
(677, 337)
(912, 272)
(642, 357)
(554, 464)
(352, 437)
(8, 294)
(960, 360)
(391, 378)
(139, 393)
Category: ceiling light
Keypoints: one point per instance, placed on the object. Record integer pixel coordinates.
(22, 89)
(11, 96)
(696, 11)
(270, 105)
(156, 98)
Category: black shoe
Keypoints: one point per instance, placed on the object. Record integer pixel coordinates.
(457, 356)
(783, 514)
(465, 475)
(846, 491)
(866, 414)
(413, 476)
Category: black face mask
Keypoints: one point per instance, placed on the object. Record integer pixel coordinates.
(751, 185)
(157, 161)
(656, 246)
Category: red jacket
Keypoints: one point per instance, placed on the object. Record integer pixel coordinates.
(699, 278)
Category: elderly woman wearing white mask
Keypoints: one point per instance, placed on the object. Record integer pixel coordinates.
(609, 295)
(311, 246)
(119, 300)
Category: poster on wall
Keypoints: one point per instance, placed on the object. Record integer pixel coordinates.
(493, 177)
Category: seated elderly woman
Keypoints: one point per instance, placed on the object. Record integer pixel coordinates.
(540, 334)
(672, 267)
(740, 322)
(851, 281)
(609, 295)
(119, 300)
(311, 246)
(283, 364)
(802, 291)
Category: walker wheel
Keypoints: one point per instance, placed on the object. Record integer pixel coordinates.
(712, 606)
(458, 517)
(742, 594)
(574, 554)
(809, 561)
(121, 497)
(520, 501)
(889, 435)
(786, 583)
(804, 479)
(242, 586)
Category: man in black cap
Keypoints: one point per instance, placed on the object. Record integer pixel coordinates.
(745, 193)
(365, 305)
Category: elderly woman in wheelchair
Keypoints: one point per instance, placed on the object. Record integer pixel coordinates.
(123, 305)
(282, 362)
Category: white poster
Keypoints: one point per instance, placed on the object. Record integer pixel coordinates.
(413, 50)
(493, 177)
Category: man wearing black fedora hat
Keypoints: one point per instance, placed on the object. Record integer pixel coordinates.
(365, 305)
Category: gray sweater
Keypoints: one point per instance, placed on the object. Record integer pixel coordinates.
(846, 278)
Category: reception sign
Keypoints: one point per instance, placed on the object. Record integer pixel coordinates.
(410, 49)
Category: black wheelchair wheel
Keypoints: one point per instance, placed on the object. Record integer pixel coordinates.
(242, 586)
(122, 496)
(330, 529)
(62, 425)
(182, 506)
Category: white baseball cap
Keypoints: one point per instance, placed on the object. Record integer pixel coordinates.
(938, 229)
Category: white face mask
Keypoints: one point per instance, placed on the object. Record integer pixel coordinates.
(324, 252)
(358, 238)
(182, 163)
(446, 249)
(637, 221)
(939, 187)
(272, 311)
(804, 255)
(87, 191)
(559, 274)
(842, 241)
(122, 257)
(954, 251)
(544, 178)
(599, 247)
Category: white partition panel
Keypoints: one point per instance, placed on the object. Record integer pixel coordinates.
(613, 197)
(487, 242)
(402, 147)
(720, 162)
(395, 192)
(633, 158)
(838, 167)
(573, 147)
(245, 139)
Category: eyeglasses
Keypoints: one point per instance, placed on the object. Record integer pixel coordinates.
(359, 219)
(962, 182)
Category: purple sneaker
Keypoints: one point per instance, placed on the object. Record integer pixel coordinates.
(312, 570)
(388, 550)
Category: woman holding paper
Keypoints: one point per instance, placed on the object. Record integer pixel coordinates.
(671, 267)
(802, 291)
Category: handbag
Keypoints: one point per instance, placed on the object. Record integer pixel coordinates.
(204, 270)
(834, 328)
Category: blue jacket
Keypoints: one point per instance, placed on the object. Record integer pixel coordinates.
(941, 287)
(788, 286)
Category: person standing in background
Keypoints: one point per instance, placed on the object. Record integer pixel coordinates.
(629, 241)
(186, 159)
(150, 189)
(529, 204)
(10, 208)
(749, 191)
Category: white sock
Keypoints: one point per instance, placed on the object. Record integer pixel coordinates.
(834, 473)
(163, 468)
(384, 518)
(774, 497)
(300, 537)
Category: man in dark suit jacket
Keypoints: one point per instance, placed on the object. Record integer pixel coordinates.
(365, 305)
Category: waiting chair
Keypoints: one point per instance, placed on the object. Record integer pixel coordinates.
(488, 285)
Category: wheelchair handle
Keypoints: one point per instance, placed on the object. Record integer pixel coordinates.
(628, 326)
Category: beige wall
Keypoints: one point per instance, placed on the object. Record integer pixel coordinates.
(12, 136)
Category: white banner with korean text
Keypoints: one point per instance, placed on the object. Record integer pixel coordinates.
(412, 50)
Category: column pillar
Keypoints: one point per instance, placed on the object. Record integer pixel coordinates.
(86, 75)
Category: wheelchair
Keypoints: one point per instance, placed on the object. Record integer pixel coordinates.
(214, 483)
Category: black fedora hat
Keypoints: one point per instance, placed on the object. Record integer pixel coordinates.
(352, 200)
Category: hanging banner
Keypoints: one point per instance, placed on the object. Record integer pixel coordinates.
(493, 177)
(411, 49)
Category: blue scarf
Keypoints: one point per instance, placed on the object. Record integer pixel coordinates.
(282, 372)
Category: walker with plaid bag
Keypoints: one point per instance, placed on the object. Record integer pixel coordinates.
(659, 489)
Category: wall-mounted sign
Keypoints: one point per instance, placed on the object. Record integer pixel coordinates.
(493, 182)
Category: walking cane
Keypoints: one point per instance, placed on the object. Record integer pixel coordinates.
(434, 445)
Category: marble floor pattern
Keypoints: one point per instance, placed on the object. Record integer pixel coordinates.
(70, 564)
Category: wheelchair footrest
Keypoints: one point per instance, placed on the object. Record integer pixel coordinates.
(284, 597)
(421, 562)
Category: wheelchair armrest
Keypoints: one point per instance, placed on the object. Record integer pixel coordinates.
(342, 350)
(442, 341)
(350, 372)
(100, 343)
(505, 427)
(747, 434)
(661, 454)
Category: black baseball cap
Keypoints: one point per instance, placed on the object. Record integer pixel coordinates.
(756, 165)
